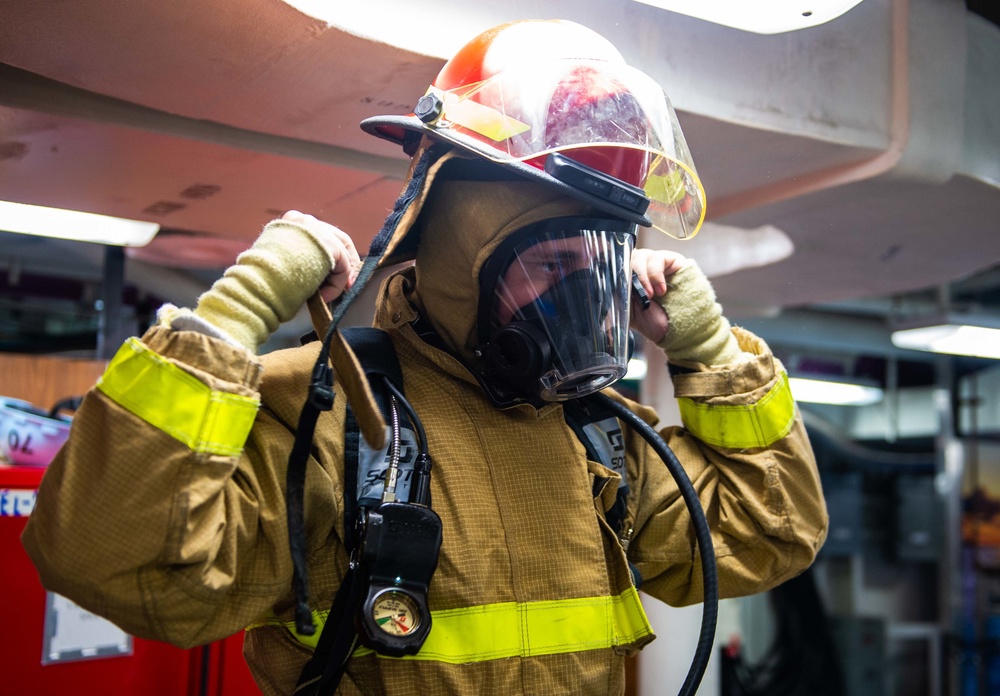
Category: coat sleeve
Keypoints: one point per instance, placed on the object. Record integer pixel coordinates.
(746, 451)
(164, 511)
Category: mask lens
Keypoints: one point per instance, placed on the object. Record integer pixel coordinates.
(569, 284)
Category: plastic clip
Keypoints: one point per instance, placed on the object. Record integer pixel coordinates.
(321, 387)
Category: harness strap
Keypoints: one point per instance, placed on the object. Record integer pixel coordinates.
(339, 637)
(586, 418)
(320, 399)
(337, 641)
(352, 449)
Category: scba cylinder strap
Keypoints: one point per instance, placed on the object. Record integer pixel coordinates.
(395, 537)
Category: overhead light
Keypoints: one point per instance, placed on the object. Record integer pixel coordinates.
(71, 224)
(975, 336)
(762, 16)
(834, 391)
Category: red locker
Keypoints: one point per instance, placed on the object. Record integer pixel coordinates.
(153, 668)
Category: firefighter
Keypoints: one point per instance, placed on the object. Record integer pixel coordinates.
(537, 154)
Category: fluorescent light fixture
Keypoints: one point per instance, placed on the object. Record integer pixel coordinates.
(759, 16)
(71, 224)
(421, 32)
(953, 335)
(834, 391)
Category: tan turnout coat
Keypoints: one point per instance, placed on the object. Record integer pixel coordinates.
(178, 538)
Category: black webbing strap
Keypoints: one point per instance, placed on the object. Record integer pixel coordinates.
(326, 667)
(339, 636)
(320, 399)
(352, 450)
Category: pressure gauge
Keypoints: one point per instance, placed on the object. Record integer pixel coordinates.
(395, 612)
(400, 543)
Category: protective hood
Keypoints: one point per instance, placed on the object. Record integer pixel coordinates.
(461, 224)
(451, 214)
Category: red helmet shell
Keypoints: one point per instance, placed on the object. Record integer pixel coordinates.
(521, 91)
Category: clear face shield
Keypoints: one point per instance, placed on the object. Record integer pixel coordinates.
(554, 311)
(610, 117)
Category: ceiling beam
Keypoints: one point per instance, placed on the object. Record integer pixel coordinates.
(24, 90)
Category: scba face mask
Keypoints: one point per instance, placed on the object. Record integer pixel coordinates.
(553, 307)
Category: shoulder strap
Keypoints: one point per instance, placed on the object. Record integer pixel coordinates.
(377, 356)
(375, 351)
(600, 432)
(337, 642)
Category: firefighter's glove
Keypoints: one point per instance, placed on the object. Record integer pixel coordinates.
(697, 331)
(268, 283)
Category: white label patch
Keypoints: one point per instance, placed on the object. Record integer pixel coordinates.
(373, 465)
(608, 441)
(72, 633)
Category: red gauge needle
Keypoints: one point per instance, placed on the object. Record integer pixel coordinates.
(401, 625)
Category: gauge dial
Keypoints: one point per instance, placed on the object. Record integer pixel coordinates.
(395, 612)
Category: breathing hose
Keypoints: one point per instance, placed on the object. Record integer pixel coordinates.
(710, 578)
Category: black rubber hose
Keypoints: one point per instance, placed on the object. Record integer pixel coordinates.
(710, 578)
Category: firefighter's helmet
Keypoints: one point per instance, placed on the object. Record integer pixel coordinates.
(556, 102)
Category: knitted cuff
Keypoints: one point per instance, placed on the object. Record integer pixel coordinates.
(697, 331)
(267, 285)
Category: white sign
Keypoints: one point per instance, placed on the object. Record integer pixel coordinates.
(73, 633)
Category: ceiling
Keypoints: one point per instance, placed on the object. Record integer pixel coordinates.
(851, 169)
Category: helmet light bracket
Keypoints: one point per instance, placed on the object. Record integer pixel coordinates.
(596, 183)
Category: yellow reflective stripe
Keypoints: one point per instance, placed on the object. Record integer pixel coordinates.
(176, 402)
(319, 620)
(512, 629)
(741, 427)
